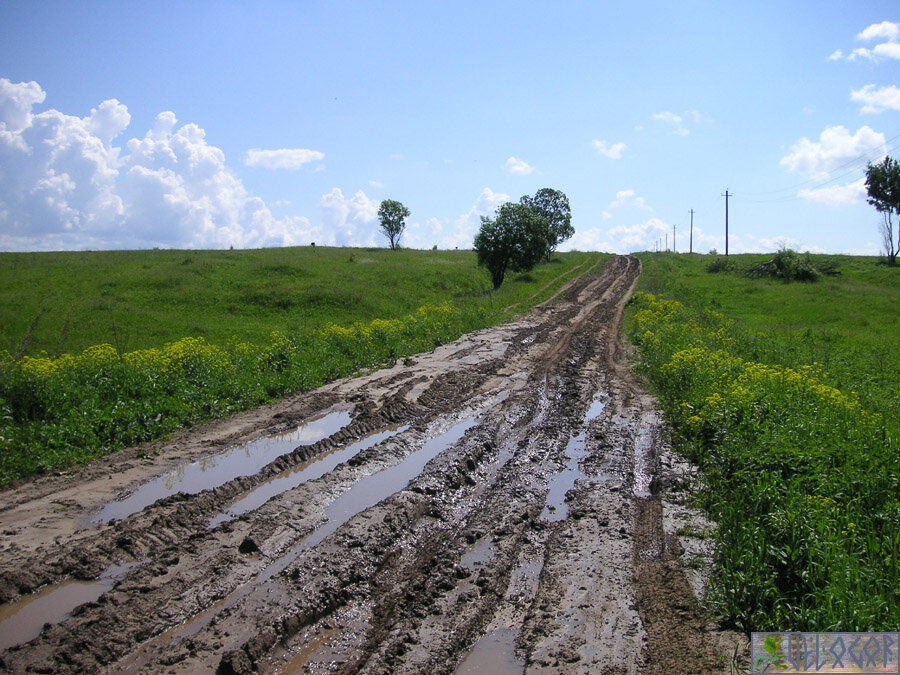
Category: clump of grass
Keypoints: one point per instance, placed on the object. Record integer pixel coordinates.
(803, 480)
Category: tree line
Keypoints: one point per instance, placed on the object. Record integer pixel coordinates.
(519, 236)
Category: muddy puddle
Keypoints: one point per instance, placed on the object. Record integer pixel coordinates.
(560, 483)
(215, 470)
(23, 620)
(479, 555)
(494, 653)
(372, 489)
(361, 495)
(309, 470)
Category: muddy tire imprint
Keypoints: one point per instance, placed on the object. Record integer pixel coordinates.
(501, 503)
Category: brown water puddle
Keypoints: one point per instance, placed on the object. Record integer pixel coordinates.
(307, 471)
(361, 495)
(494, 653)
(556, 508)
(215, 470)
(23, 620)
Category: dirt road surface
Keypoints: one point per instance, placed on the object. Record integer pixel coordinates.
(504, 504)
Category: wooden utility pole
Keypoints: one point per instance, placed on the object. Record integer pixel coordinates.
(691, 244)
(726, 220)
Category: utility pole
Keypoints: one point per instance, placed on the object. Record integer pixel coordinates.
(667, 242)
(726, 220)
(674, 247)
(692, 232)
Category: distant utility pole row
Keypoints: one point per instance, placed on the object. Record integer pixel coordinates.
(727, 194)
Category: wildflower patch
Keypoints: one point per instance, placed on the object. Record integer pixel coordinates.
(802, 479)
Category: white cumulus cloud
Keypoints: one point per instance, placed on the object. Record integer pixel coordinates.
(877, 99)
(887, 31)
(66, 183)
(285, 158)
(611, 150)
(349, 221)
(836, 195)
(836, 148)
(518, 167)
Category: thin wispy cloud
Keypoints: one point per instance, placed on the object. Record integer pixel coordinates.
(675, 122)
(611, 150)
(628, 198)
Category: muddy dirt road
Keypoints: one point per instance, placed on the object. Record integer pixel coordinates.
(502, 504)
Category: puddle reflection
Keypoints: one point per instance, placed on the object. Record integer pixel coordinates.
(215, 470)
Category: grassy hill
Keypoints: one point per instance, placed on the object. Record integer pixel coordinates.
(65, 302)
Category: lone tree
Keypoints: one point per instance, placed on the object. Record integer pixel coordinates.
(552, 205)
(516, 239)
(393, 215)
(883, 185)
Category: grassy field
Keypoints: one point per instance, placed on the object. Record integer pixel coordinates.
(103, 350)
(65, 302)
(786, 395)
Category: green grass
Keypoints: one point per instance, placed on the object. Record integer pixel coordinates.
(786, 396)
(846, 323)
(139, 299)
(104, 350)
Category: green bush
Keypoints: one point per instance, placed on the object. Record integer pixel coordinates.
(787, 265)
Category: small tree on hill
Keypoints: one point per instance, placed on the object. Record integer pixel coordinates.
(516, 239)
(883, 186)
(393, 215)
(552, 205)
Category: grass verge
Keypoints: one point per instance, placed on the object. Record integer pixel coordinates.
(799, 457)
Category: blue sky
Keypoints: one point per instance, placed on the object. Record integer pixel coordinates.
(216, 124)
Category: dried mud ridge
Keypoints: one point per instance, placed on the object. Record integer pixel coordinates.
(517, 512)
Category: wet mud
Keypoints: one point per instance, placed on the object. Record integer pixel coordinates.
(505, 503)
